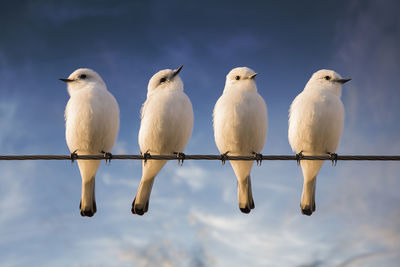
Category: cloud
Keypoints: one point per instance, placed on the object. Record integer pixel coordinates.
(368, 51)
(190, 174)
(121, 147)
(9, 124)
(14, 196)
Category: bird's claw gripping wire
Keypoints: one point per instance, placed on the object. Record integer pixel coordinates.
(74, 156)
(181, 157)
(258, 157)
(224, 157)
(299, 157)
(333, 157)
(108, 156)
(146, 156)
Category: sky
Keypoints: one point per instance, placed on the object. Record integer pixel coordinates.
(193, 218)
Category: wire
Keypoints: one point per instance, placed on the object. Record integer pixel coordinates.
(181, 156)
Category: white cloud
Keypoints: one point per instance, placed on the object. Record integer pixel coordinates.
(190, 174)
(121, 147)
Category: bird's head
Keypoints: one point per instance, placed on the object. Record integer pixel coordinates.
(165, 80)
(81, 78)
(326, 80)
(241, 78)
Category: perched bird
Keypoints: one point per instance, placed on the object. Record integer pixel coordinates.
(165, 128)
(240, 127)
(92, 124)
(315, 125)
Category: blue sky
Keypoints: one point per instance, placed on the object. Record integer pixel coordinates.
(193, 218)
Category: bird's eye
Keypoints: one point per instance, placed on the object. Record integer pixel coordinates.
(163, 79)
(237, 78)
(327, 78)
(82, 76)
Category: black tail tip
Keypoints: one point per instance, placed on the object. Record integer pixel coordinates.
(137, 210)
(252, 205)
(245, 210)
(307, 211)
(87, 213)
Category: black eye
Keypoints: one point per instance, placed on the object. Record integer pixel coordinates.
(82, 76)
(163, 79)
(237, 78)
(327, 78)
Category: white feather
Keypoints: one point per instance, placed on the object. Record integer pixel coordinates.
(316, 119)
(92, 124)
(165, 128)
(240, 126)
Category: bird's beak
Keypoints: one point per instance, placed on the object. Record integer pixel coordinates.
(66, 80)
(342, 81)
(177, 71)
(253, 75)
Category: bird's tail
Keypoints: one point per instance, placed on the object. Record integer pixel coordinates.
(245, 195)
(310, 170)
(88, 169)
(88, 200)
(140, 204)
(307, 203)
(150, 169)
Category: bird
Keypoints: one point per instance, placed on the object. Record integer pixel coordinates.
(316, 118)
(240, 122)
(92, 125)
(165, 128)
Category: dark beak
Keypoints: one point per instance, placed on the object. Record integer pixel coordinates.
(342, 81)
(253, 75)
(66, 80)
(177, 71)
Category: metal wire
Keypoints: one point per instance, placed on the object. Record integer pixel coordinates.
(182, 157)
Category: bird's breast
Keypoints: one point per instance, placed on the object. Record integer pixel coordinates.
(240, 123)
(316, 123)
(167, 123)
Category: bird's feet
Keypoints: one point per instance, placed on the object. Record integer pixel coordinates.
(74, 156)
(333, 157)
(299, 157)
(108, 156)
(224, 157)
(181, 157)
(146, 156)
(258, 157)
(139, 209)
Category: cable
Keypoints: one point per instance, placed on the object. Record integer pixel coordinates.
(181, 156)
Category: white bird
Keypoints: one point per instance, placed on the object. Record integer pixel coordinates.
(92, 124)
(240, 127)
(165, 128)
(316, 119)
